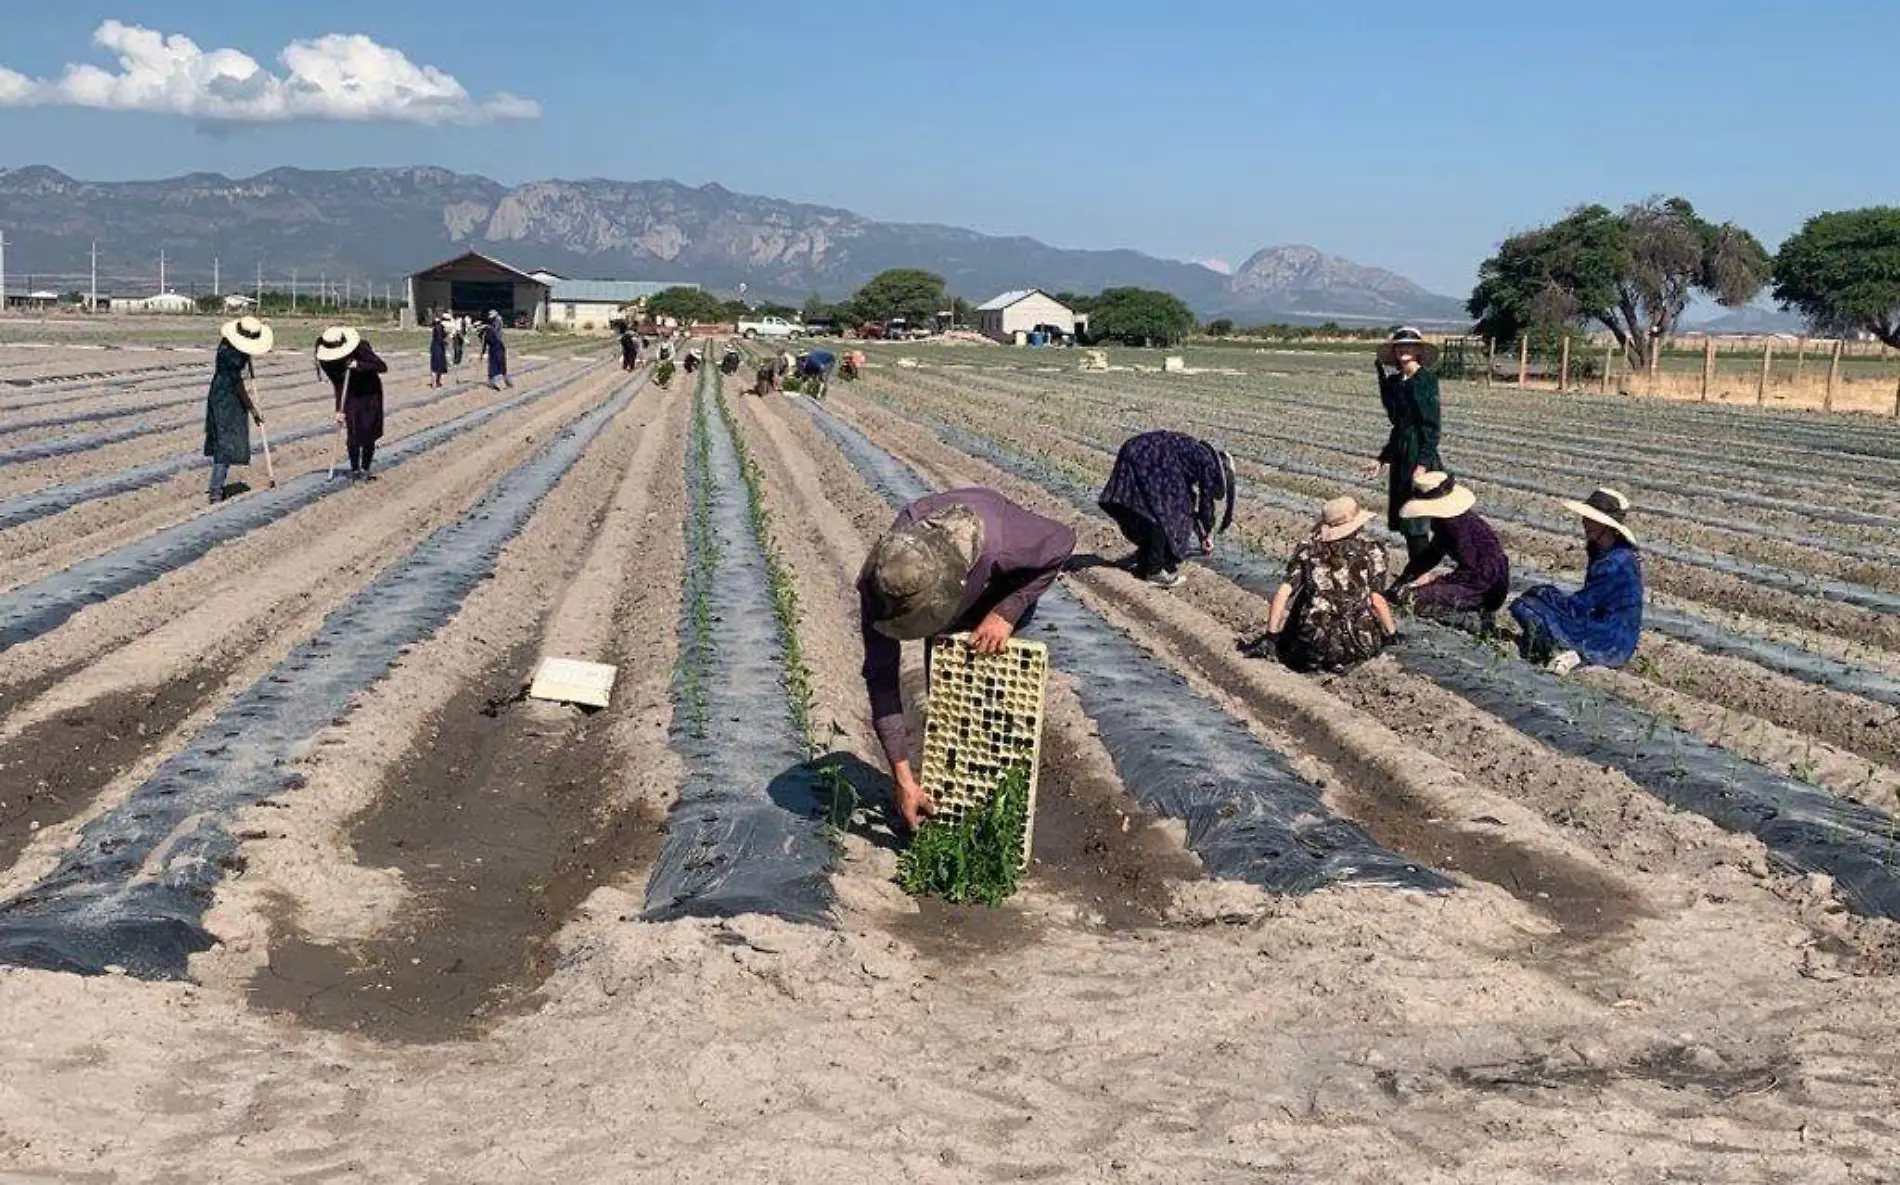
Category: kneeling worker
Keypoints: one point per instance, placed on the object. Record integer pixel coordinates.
(1480, 578)
(965, 560)
(1599, 624)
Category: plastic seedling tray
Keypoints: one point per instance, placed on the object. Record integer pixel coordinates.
(984, 718)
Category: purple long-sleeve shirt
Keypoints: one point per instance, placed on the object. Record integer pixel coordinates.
(1022, 555)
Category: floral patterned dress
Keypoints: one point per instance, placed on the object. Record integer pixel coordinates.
(1332, 625)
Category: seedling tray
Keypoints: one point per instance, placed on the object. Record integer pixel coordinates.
(984, 718)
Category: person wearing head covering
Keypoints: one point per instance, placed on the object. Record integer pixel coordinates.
(1410, 395)
(1600, 623)
(229, 409)
(1163, 494)
(438, 350)
(1480, 577)
(356, 376)
(765, 380)
(692, 361)
(965, 560)
(817, 365)
(729, 361)
(629, 349)
(458, 340)
(1330, 613)
(496, 351)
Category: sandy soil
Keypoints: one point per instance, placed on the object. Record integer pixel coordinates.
(431, 968)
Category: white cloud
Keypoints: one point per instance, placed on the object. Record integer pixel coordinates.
(339, 77)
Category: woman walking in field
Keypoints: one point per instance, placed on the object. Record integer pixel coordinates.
(1330, 613)
(1480, 577)
(229, 409)
(1163, 493)
(438, 350)
(1599, 624)
(356, 376)
(496, 351)
(1410, 395)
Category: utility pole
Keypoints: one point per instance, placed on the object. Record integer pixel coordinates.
(346, 292)
(260, 287)
(293, 291)
(161, 271)
(92, 293)
(3, 272)
(323, 288)
(217, 281)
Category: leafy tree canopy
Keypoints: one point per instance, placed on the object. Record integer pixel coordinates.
(688, 305)
(1220, 327)
(1632, 272)
(910, 293)
(1139, 316)
(1842, 272)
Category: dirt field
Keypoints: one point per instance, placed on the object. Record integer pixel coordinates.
(297, 885)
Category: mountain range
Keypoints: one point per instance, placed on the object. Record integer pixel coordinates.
(382, 224)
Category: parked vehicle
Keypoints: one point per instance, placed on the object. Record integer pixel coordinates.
(770, 327)
(822, 327)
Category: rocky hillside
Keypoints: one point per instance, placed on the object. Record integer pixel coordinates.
(382, 223)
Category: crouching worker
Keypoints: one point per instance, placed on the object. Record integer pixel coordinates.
(966, 560)
(766, 380)
(356, 379)
(1162, 493)
(815, 368)
(1330, 614)
(1480, 577)
(1599, 624)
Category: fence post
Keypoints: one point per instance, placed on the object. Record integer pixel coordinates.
(1523, 361)
(1563, 367)
(1490, 350)
(1896, 401)
(1767, 364)
(1833, 377)
(1708, 365)
(1800, 358)
(1609, 357)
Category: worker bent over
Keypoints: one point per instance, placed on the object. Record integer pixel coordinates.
(966, 560)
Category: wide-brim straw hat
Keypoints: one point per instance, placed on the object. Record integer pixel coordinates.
(249, 335)
(338, 341)
(1604, 506)
(915, 575)
(1437, 495)
(1340, 518)
(1426, 352)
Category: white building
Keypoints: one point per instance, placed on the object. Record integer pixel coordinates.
(239, 303)
(1013, 316)
(164, 302)
(591, 304)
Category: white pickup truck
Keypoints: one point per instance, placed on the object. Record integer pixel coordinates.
(770, 327)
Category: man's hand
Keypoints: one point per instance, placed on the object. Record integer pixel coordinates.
(1424, 580)
(913, 805)
(992, 635)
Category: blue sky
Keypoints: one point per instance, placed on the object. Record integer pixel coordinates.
(1408, 136)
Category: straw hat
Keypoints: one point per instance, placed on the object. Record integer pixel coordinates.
(1424, 351)
(1436, 495)
(1339, 518)
(249, 335)
(914, 576)
(1605, 506)
(338, 341)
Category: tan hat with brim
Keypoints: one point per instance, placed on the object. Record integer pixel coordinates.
(249, 335)
(1424, 351)
(1339, 518)
(1437, 495)
(915, 575)
(338, 341)
(1604, 506)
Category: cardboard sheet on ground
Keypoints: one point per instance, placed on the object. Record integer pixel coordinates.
(985, 716)
(571, 681)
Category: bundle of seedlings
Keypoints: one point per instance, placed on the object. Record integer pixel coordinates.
(974, 854)
(663, 373)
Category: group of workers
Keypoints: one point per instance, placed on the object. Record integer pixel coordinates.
(970, 560)
(813, 367)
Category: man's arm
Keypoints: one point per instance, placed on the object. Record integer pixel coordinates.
(1042, 547)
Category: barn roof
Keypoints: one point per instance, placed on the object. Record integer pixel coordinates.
(609, 291)
(475, 260)
(1017, 296)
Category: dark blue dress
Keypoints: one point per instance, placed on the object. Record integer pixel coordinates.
(497, 351)
(1602, 621)
(1168, 480)
(438, 349)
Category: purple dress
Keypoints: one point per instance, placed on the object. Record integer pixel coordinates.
(1481, 578)
(1168, 483)
(1022, 555)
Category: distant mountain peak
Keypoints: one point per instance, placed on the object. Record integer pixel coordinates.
(382, 223)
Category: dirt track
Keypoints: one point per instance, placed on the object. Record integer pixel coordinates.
(430, 963)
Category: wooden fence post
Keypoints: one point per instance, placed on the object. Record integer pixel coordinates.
(1767, 364)
(1563, 368)
(1490, 355)
(1833, 377)
(1523, 361)
(1708, 366)
(1609, 360)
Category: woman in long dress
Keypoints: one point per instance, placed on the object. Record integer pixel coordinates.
(356, 376)
(1163, 494)
(229, 410)
(438, 350)
(1410, 395)
(496, 351)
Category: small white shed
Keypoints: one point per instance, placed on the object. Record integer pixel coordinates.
(1024, 311)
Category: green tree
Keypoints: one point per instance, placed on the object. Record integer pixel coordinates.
(1220, 327)
(1139, 316)
(1842, 272)
(962, 312)
(688, 305)
(814, 309)
(910, 293)
(1632, 272)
